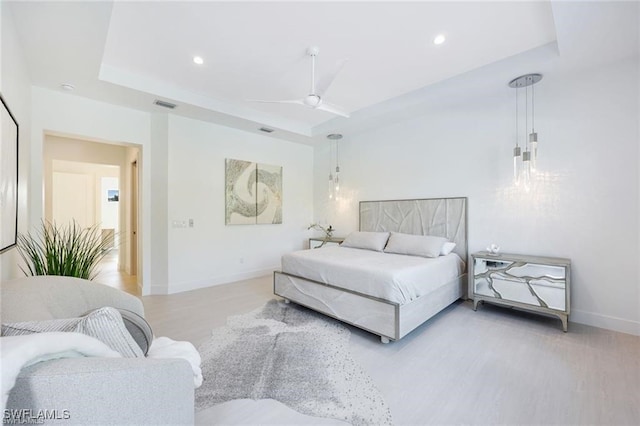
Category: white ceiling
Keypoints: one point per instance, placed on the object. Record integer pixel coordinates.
(131, 53)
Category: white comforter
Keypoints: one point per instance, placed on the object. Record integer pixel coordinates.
(393, 277)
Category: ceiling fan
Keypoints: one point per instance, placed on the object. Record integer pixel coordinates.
(314, 99)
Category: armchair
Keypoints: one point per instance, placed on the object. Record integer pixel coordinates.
(93, 390)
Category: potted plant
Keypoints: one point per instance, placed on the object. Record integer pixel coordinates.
(70, 250)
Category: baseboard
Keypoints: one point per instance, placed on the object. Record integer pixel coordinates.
(213, 281)
(605, 321)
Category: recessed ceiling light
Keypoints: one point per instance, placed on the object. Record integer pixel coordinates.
(68, 87)
(198, 60)
(439, 39)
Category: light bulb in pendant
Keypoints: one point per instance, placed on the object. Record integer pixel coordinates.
(533, 143)
(526, 170)
(517, 165)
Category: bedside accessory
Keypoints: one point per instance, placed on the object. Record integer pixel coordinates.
(315, 243)
(493, 249)
(533, 283)
(328, 230)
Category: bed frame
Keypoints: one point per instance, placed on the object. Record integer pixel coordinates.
(443, 217)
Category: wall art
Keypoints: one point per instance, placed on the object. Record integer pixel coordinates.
(8, 178)
(253, 193)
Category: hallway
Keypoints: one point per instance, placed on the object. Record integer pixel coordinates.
(109, 274)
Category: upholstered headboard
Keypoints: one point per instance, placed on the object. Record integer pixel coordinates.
(441, 217)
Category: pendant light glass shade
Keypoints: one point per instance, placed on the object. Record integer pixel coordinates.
(533, 146)
(517, 165)
(526, 170)
(334, 179)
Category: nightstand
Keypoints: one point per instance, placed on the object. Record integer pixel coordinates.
(533, 283)
(324, 242)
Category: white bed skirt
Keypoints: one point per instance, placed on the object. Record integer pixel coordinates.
(387, 319)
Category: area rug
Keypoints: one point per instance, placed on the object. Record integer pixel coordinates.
(292, 355)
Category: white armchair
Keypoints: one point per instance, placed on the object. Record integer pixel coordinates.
(93, 390)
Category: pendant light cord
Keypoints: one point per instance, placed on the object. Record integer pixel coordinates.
(533, 109)
(526, 117)
(517, 128)
(331, 157)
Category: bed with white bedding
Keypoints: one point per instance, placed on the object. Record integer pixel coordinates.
(384, 293)
(393, 277)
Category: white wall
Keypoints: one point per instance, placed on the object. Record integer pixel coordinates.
(109, 209)
(585, 207)
(57, 114)
(210, 252)
(15, 89)
(182, 164)
(159, 203)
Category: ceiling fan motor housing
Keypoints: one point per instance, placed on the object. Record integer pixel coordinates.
(312, 100)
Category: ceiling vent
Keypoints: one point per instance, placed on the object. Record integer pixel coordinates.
(164, 104)
(265, 129)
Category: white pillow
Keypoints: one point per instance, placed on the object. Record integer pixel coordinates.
(415, 245)
(447, 248)
(104, 324)
(366, 240)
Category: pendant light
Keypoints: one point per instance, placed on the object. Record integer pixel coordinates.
(525, 163)
(533, 136)
(517, 152)
(334, 179)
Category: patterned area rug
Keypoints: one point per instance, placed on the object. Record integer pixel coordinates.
(295, 356)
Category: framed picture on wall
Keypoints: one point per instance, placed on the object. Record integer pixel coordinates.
(8, 178)
(253, 193)
(113, 195)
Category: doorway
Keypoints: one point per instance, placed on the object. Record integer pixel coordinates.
(134, 219)
(95, 184)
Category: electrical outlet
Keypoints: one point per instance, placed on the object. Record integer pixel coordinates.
(242, 260)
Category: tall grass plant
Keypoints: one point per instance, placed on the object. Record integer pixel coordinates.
(69, 250)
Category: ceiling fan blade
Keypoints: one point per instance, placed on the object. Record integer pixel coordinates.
(328, 79)
(334, 109)
(286, 101)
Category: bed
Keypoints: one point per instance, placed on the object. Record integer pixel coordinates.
(386, 294)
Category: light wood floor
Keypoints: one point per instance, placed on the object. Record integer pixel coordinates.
(493, 366)
(110, 275)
